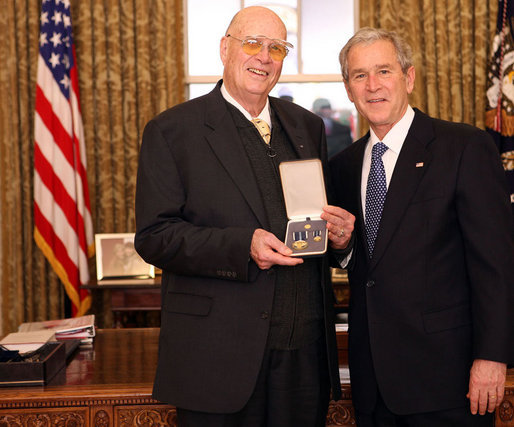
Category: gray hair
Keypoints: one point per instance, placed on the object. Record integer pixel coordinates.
(368, 35)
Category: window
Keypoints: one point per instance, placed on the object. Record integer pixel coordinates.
(317, 29)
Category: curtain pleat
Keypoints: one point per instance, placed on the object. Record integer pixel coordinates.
(131, 66)
(451, 43)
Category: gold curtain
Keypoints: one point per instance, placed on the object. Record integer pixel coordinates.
(451, 45)
(131, 66)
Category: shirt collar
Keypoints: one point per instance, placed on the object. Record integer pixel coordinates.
(397, 134)
(263, 115)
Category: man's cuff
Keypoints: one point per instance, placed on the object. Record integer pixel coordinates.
(343, 256)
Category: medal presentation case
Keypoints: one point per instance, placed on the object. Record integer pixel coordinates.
(304, 194)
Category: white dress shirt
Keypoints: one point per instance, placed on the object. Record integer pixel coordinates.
(394, 141)
(263, 115)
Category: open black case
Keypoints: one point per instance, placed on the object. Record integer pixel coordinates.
(304, 194)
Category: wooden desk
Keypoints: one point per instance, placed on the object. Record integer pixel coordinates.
(111, 384)
(131, 297)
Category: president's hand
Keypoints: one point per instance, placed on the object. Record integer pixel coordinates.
(266, 250)
(486, 385)
(340, 225)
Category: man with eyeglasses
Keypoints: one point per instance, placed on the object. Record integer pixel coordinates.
(247, 331)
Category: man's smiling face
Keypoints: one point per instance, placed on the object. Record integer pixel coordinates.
(250, 78)
(377, 85)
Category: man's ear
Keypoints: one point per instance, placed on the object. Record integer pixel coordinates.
(410, 77)
(223, 49)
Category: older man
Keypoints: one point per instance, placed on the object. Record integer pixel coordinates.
(247, 333)
(431, 279)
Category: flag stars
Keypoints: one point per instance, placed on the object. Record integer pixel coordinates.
(54, 59)
(42, 39)
(44, 18)
(66, 20)
(65, 81)
(66, 61)
(57, 18)
(56, 39)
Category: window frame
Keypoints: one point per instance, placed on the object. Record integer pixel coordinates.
(284, 78)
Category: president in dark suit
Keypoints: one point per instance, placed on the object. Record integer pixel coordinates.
(247, 331)
(430, 321)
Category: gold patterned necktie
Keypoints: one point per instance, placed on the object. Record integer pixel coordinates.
(263, 129)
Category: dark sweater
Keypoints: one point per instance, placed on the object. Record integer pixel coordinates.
(297, 314)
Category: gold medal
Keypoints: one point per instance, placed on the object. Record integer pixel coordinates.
(317, 238)
(307, 226)
(300, 245)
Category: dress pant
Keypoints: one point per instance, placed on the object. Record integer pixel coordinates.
(457, 417)
(292, 390)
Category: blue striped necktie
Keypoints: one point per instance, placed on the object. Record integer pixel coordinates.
(375, 194)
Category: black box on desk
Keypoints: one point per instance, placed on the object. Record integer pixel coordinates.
(51, 360)
(304, 194)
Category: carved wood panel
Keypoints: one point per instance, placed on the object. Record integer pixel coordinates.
(340, 413)
(101, 416)
(505, 413)
(148, 416)
(45, 417)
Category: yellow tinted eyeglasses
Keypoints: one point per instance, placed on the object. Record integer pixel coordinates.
(252, 45)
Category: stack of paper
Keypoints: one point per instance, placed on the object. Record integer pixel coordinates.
(26, 342)
(82, 328)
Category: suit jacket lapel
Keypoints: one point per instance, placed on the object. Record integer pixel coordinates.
(413, 161)
(225, 142)
(297, 136)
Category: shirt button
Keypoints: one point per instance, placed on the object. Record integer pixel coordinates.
(370, 283)
(264, 315)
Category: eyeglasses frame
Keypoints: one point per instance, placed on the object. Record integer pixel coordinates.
(284, 43)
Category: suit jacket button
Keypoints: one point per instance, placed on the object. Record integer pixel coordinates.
(370, 283)
(264, 315)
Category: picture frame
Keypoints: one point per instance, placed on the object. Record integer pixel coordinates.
(339, 276)
(341, 288)
(117, 259)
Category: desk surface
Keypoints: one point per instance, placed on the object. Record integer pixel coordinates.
(120, 365)
(120, 362)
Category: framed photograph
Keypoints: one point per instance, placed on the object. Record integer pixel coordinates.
(341, 288)
(117, 259)
(339, 276)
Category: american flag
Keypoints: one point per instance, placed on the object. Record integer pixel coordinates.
(62, 216)
(499, 117)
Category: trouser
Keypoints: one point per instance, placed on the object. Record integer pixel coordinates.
(292, 390)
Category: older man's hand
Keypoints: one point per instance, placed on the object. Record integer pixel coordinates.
(266, 250)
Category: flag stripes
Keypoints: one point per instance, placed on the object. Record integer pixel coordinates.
(62, 216)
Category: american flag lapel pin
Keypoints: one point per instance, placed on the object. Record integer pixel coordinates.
(419, 164)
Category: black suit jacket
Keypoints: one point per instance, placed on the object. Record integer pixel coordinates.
(197, 206)
(438, 292)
